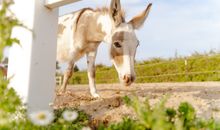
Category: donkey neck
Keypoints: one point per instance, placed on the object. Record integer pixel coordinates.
(95, 25)
(107, 25)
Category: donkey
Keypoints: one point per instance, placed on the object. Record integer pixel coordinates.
(81, 32)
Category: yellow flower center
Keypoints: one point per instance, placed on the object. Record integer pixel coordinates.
(41, 116)
(69, 115)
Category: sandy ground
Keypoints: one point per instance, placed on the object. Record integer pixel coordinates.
(204, 96)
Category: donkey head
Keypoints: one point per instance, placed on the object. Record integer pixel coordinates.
(124, 41)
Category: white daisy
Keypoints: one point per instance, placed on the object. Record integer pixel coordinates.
(41, 118)
(86, 128)
(70, 115)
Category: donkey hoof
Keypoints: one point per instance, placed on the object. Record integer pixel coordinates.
(95, 95)
(61, 92)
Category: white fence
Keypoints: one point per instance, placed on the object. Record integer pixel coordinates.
(32, 64)
(59, 80)
(185, 62)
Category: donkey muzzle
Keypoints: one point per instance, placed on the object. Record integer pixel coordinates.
(128, 79)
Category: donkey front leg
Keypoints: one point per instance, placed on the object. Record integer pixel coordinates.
(91, 73)
(67, 75)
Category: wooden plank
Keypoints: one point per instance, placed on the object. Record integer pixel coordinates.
(57, 3)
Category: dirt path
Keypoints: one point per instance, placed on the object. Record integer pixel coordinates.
(204, 96)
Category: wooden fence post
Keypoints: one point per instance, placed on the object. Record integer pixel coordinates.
(32, 64)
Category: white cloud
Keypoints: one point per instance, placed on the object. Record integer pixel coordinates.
(185, 28)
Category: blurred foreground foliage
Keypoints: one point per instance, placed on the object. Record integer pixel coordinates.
(22, 122)
(9, 101)
(158, 117)
(7, 22)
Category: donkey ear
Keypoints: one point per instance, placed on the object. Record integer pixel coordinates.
(139, 19)
(116, 12)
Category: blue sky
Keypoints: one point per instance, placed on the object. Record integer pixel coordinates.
(182, 26)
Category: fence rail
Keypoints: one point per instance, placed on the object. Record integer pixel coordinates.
(196, 68)
(59, 80)
(177, 74)
(156, 76)
(184, 61)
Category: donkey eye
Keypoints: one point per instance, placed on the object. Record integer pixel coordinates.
(117, 44)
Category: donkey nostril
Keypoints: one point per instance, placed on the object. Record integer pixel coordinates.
(126, 79)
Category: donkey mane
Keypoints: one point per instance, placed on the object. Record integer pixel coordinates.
(102, 10)
(106, 10)
(80, 14)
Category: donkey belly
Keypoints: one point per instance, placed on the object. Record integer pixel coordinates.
(63, 52)
(67, 49)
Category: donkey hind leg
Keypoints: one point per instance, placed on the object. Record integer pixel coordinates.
(67, 75)
(91, 73)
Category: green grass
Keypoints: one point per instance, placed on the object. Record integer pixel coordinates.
(200, 67)
(158, 117)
